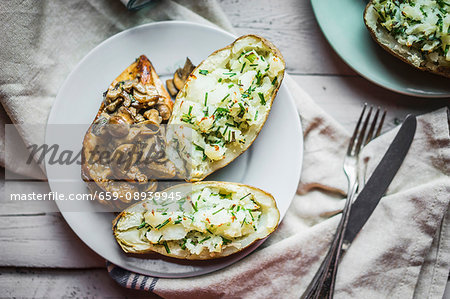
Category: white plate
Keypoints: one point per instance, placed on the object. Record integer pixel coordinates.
(273, 163)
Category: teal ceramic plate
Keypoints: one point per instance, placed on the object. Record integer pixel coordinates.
(342, 23)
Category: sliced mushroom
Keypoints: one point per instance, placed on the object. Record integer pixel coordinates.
(153, 116)
(171, 87)
(145, 98)
(177, 80)
(127, 85)
(164, 111)
(187, 68)
(139, 118)
(181, 74)
(113, 92)
(113, 106)
(119, 124)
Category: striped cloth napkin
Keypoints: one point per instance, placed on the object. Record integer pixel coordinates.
(402, 252)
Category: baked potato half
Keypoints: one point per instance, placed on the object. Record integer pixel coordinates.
(198, 221)
(128, 123)
(224, 104)
(416, 31)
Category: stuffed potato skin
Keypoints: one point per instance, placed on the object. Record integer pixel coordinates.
(417, 49)
(114, 111)
(249, 72)
(130, 226)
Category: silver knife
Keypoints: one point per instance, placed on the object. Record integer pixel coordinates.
(370, 196)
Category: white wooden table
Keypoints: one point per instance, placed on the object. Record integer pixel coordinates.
(42, 257)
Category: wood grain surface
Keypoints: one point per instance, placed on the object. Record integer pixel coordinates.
(42, 257)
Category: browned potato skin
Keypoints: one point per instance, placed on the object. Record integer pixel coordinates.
(143, 67)
(276, 53)
(442, 70)
(204, 255)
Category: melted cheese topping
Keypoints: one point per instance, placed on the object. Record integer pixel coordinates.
(422, 24)
(225, 101)
(208, 218)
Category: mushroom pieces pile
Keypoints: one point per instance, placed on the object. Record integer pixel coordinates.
(129, 131)
(179, 78)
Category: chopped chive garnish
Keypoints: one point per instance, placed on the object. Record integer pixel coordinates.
(225, 97)
(209, 231)
(206, 99)
(177, 222)
(274, 80)
(225, 241)
(198, 148)
(254, 64)
(218, 211)
(162, 224)
(142, 225)
(256, 114)
(244, 196)
(203, 72)
(251, 215)
(187, 118)
(195, 205)
(220, 80)
(230, 85)
(243, 66)
(261, 96)
(258, 78)
(183, 245)
(267, 68)
(243, 222)
(224, 131)
(201, 241)
(230, 74)
(166, 246)
(159, 238)
(242, 112)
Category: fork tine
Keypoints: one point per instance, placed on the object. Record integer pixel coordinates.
(363, 132)
(355, 132)
(372, 127)
(381, 124)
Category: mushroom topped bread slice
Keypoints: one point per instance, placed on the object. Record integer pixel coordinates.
(224, 104)
(416, 32)
(128, 121)
(198, 221)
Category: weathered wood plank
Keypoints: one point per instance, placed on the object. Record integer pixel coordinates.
(343, 98)
(292, 27)
(43, 241)
(56, 283)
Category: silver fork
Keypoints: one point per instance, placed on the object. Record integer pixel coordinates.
(322, 285)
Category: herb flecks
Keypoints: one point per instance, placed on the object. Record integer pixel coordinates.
(261, 97)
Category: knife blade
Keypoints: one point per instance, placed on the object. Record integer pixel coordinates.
(379, 181)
